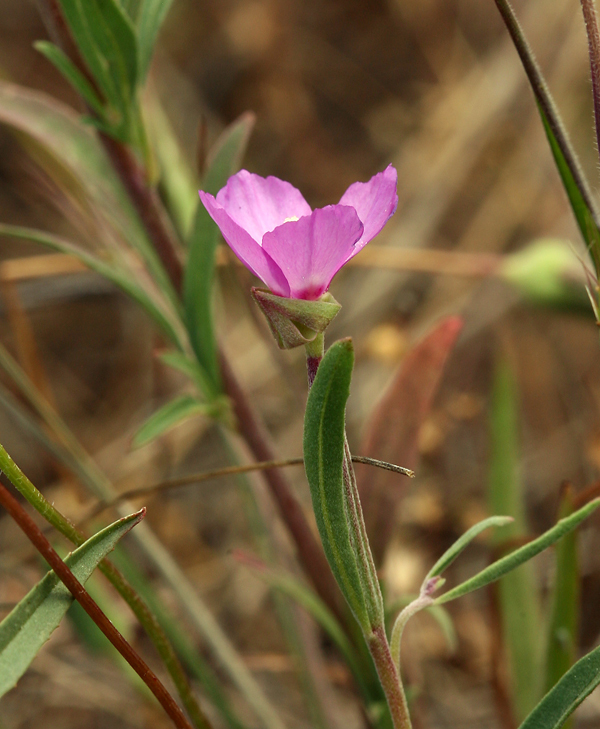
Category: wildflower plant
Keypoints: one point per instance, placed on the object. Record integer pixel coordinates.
(164, 259)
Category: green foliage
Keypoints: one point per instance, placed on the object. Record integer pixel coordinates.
(564, 619)
(324, 441)
(106, 39)
(513, 560)
(559, 703)
(29, 625)
(73, 75)
(576, 186)
(452, 553)
(199, 272)
(167, 417)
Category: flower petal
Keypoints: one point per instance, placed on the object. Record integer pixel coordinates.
(260, 204)
(246, 248)
(310, 251)
(375, 202)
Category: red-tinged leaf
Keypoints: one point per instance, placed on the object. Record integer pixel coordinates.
(393, 431)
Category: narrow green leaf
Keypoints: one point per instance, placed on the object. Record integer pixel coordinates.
(150, 17)
(106, 39)
(115, 275)
(520, 556)
(559, 703)
(576, 186)
(25, 630)
(452, 553)
(200, 267)
(67, 68)
(564, 619)
(518, 596)
(167, 417)
(578, 197)
(324, 435)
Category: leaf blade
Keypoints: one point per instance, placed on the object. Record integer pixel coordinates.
(200, 267)
(520, 556)
(559, 703)
(29, 625)
(167, 417)
(324, 433)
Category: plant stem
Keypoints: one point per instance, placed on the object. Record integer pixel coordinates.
(591, 27)
(390, 678)
(314, 354)
(153, 629)
(62, 571)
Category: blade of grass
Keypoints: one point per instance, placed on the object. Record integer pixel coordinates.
(564, 617)
(576, 186)
(519, 601)
(200, 267)
(59, 130)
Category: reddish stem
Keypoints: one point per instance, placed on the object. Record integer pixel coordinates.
(35, 535)
(591, 27)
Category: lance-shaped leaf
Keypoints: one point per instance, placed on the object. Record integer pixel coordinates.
(106, 39)
(452, 553)
(199, 271)
(505, 565)
(167, 417)
(559, 703)
(29, 625)
(324, 437)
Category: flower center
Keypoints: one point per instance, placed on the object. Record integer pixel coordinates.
(291, 220)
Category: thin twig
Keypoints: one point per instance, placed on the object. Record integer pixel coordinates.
(63, 572)
(195, 478)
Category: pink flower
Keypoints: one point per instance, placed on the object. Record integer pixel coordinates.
(296, 251)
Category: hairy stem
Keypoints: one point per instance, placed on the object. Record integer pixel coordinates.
(37, 538)
(591, 27)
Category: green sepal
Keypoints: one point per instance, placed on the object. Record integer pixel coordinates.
(295, 322)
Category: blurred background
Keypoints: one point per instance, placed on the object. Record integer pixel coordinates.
(340, 88)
